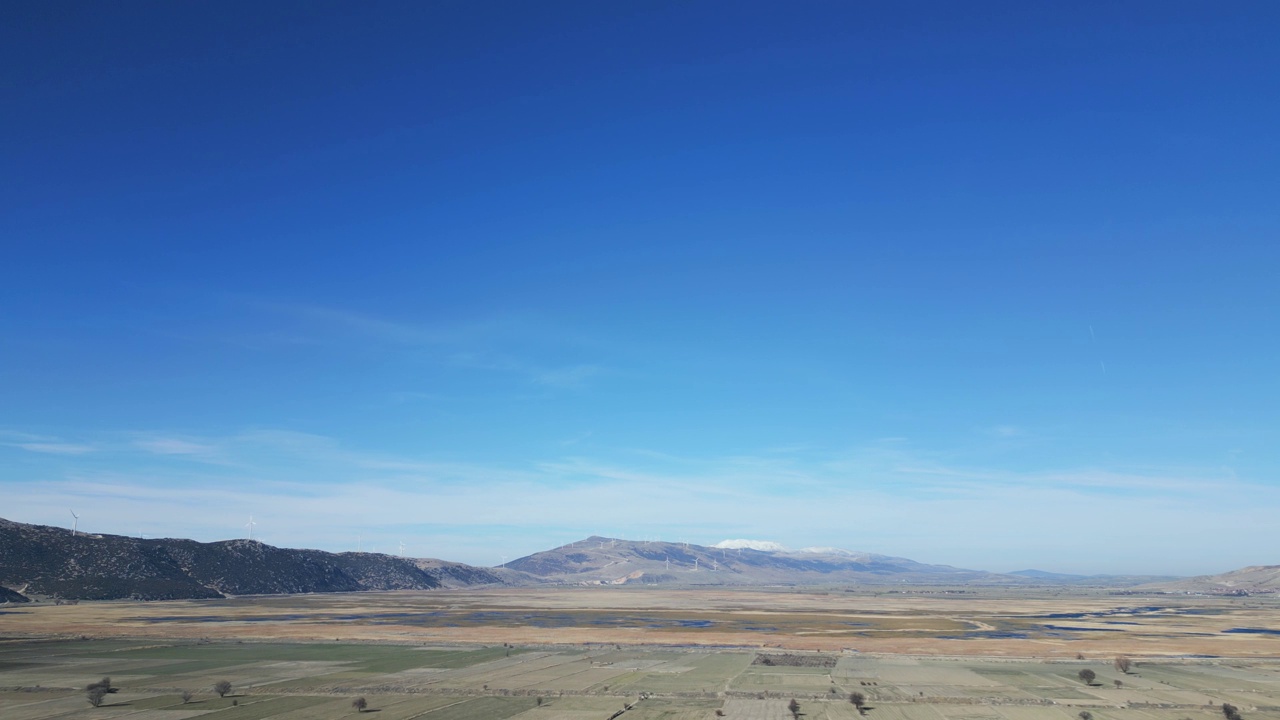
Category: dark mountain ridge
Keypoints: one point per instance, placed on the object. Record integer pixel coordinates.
(38, 560)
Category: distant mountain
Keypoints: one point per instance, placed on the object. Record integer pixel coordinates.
(1053, 578)
(600, 560)
(1252, 580)
(1046, 575)
(38, 560)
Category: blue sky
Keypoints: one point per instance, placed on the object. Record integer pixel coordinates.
(990, 284)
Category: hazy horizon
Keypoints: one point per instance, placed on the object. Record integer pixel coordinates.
(987, 288)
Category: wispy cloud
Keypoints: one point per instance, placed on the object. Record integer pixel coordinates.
(509, 344)
(54, 448)
(1005, 431)
(308, 489)
(44, 444)
(174, 446)
(330, 321)
(574, 376)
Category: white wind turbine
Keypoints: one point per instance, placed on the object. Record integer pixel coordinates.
(401, 548)
(250, 525)
(74, 523)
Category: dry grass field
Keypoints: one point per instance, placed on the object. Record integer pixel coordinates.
(986, 622)
(588, 653)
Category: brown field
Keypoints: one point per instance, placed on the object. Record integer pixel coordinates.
(587, 653)
(985, 622)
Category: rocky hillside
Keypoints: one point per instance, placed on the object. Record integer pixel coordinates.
(599, 560)
(42, 561)
(1252, 580)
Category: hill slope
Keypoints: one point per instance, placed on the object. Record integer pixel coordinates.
(600, 560)
(37, 560)
(1251, 580)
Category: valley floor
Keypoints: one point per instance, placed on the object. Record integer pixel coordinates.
(587, 653)
(41, 680)
(1014, 622)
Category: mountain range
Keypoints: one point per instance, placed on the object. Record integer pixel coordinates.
(610, 561)
(43, 562)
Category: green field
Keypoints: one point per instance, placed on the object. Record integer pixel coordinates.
(298, 681)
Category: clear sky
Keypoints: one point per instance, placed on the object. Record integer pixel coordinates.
(990, 284)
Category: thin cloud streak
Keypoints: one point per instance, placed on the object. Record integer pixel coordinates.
(54, 448)
(174, 446)
(474, 345)
(1083, 520)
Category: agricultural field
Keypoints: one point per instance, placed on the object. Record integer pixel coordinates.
(44, 679)
(1016, 622)
(582, 653)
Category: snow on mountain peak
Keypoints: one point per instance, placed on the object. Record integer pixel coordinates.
(827, 551)
(761, 545)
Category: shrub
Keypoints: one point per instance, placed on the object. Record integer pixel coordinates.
(96, 694)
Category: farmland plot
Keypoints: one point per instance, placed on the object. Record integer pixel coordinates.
(573, 708)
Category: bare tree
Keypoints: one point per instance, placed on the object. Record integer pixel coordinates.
(859, 701)
(186, 696)
(96, 694)
(1087, 676)
(1123, 663)
(1119, 683)
(222, 687)
(794, 707)
(1085, 715)
(360, 704)
(1230, 712)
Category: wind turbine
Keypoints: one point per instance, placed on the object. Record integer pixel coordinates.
(250, 525)
(74, 523)
(504, 561)
(401, 548)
